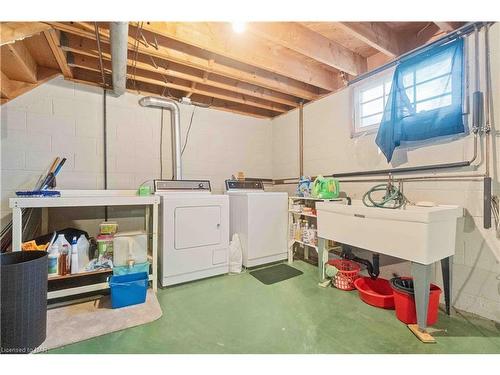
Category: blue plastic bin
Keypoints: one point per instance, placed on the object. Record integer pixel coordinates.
(127, 290)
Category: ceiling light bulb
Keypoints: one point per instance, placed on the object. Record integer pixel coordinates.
(239, 27)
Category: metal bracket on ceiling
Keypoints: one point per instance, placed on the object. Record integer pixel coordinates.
(156, 43)
(153, 61)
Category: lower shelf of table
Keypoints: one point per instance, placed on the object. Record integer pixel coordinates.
(82, 289)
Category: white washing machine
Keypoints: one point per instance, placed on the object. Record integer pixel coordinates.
(261, 220)
(194, 231)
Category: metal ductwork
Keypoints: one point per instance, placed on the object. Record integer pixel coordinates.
(119, 43)
(175, 123)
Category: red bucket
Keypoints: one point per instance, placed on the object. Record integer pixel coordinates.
(406, 311)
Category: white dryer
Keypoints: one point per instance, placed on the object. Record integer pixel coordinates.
(261, 220)
(194, 231)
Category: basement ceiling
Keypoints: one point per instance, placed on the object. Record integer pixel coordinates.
(265, 71)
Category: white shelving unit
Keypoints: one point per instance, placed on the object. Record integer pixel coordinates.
(89, 198)
(295, 215)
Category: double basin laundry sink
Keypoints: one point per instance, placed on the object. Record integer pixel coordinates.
(418, 234)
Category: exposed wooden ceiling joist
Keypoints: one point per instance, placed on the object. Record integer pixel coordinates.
(218, 38)
(6, 86)
(448, 26)
(53, 38)
(264, 72)
(376, 34)
(17, 62)
(89, 76)
(11, 89)
(88, 47)
(311, 44)
(140, 75)
(13, 31)
(256, 77)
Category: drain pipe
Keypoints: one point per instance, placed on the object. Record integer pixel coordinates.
(301, 139)
(119, 48)
(487, 188)
(175, 123)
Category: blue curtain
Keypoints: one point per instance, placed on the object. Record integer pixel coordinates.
(425, 99)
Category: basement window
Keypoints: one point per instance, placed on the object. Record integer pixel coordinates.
(369, 98)
(433, 83)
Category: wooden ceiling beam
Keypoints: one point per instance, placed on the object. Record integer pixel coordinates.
(11, 32)
(90, 78)
(311, 44)
(448, 26)
(88, 47)
(53, 38)
(6, 86)
(263, 79)
(92, 64)
(218, 38)
(17, 62)
(11, 89)
(376, 34)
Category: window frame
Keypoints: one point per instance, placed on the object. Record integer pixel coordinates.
(357, 131)
(366, 84)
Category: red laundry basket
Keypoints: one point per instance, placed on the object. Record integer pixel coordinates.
(404, 302)
(348, 273)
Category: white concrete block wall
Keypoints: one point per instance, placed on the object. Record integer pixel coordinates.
(328, 148)
(61, 118)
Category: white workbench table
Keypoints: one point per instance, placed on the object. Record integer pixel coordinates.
(88, 198)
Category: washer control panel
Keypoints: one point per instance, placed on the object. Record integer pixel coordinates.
(182, 185)
(232, 185)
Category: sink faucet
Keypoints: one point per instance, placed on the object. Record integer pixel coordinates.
(395, 193)
(389, 188)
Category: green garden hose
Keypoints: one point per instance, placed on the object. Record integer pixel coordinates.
(393, 195)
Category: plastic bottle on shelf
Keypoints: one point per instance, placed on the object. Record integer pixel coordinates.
(297, 234)
(305, 232)
(313, 235)
(83, 246)
(53, 260)
(74, 256)
(61, 241)
(64, 260)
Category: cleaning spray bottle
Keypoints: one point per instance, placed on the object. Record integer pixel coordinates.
(74, 256)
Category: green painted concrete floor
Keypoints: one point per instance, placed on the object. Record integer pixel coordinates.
(238, 314)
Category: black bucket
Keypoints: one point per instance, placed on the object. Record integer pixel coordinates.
(403, 284)
(23, 301)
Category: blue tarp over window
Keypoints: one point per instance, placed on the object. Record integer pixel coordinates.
(425, 100)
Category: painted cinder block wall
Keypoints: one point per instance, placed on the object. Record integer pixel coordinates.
(329, 148)
(62, 118)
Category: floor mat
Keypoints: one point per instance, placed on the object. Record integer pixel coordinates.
(82, 321)
(275, 274)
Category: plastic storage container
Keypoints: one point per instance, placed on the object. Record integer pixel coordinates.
(375, 292)
(23, 302)
(127, 290)
(136, 268)
(108, 227)
(347, 274)
(105, 246)
(404, 300)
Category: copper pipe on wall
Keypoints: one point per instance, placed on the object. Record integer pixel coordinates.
(301, 139)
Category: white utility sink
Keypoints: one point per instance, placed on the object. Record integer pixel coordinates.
(418, 234)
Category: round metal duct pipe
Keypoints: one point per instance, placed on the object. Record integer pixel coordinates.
(175, 123)
(119, 42)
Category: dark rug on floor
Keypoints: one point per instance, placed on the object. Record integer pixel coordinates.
(275, 274)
